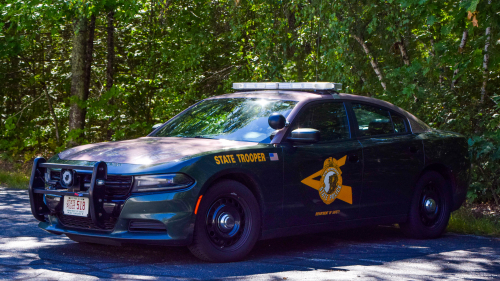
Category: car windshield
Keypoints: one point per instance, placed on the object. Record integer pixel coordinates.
(240, 119)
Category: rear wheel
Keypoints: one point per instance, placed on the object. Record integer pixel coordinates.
(430, 208)
(227, 224)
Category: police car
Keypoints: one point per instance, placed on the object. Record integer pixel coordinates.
(270, 160)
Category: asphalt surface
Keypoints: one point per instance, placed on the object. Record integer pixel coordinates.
(380, 253)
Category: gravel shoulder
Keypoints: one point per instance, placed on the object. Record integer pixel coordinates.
(27, 252)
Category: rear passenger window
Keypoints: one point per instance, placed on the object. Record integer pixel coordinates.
(372, 120)
(329, 118)
(399, 124)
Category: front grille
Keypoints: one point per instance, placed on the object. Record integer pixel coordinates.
(54, 181)
(54, 175)
(116, 189)
(85, 222)
(116, 186)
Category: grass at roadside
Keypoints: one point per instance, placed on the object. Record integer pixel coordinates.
(14, 180)
(471, 219)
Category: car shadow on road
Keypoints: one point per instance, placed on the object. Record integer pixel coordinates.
(375, 252)
(326, 252)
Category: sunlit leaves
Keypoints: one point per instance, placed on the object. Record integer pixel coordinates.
(171, 56)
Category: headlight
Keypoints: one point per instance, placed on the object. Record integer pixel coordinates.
(161, 182)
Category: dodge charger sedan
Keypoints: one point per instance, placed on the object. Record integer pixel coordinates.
(270, 160)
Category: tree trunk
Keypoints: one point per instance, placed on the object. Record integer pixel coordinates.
(373, 62)
(51, 109)
(110, 67)
(47, 96)
(404, 52)
(76, 113)
(362, 80)
(88, 65)
(460, 50)
(493, 191)
(485, 62)
(433, 53)
(433, 50)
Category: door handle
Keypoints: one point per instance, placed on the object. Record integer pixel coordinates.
(353, 158)
(413, 149)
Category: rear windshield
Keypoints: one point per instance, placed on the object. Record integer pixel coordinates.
(240, 119)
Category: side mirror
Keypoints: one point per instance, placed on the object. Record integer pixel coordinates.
(276, 121)
(305, 135)
(156, 126)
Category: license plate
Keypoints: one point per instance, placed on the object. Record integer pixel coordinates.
(76, 206)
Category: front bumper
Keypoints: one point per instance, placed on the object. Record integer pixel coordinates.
(173, 210)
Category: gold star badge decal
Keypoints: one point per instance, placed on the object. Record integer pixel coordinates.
(330, 186)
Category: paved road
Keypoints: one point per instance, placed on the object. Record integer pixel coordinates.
(382, 253)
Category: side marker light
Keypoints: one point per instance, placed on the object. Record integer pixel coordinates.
(197, 205)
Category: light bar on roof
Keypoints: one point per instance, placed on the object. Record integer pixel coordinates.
(255, 86)
(288, 86)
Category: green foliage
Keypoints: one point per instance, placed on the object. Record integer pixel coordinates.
(171, 54)
(485, 157)
(14, 180)
(465, 221)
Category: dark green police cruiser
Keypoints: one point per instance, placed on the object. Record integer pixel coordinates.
(272, 159)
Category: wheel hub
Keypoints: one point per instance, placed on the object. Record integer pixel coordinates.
(430, 205)
(225, 222)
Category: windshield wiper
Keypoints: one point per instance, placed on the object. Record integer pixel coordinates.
(202, 137)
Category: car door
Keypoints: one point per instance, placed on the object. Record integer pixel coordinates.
(322, 181)
(393, 157)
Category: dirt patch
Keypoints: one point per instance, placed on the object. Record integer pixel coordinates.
(489, 210)
(18, 166)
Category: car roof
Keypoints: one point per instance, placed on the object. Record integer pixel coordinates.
(417, 126)
(303, 96)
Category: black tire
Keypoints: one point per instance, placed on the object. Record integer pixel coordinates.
(227, 223)
(430, 208)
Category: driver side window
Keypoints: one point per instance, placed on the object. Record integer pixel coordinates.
(329, 118)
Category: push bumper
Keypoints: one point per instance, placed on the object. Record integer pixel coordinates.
(96, 194)
(173, 210)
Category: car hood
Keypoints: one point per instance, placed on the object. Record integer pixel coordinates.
(148, 150)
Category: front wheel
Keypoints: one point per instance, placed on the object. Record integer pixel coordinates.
(227, 223)
(430, 208)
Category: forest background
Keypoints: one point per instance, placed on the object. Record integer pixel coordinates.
(83, 71)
